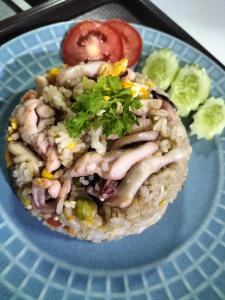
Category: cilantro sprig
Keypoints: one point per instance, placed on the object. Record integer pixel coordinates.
(105, 104)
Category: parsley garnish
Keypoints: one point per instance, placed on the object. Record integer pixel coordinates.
(104, 104)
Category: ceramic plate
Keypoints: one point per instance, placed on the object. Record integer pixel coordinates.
(181, 257)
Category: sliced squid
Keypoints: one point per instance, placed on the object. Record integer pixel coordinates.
(114, 164)
(40, 188)
(134, 138)
(90, 69)
(21, 153)
(140, 172)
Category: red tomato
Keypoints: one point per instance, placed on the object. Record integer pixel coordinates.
(92, 40)
(132, 42)
(53, 222)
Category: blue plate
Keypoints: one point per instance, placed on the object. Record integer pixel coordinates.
(181, 257)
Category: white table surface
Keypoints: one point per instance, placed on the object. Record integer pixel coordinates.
(204, 20)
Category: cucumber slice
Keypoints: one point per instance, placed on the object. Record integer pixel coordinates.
(209, 119)
(190, 88)
(161, 66)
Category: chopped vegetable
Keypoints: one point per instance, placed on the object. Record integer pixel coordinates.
(9, 159)
(114, 69)
(163, 203)
(53, 73)
(127, 83)
(11, 129)
(105, 96)
(190, 88)
(85, 209)
(47, 174)
(161, 66)
(25, 201)
(9, 139)
(137, 89)
(209, 119)
(71, 146)
(54, 223)
(13, 123)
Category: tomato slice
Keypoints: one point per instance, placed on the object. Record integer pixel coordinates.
(91, 40)
(132, 42)
(54, 223)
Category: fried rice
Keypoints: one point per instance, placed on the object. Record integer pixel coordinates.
(43, 156)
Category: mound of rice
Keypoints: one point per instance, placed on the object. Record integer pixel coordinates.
(151, 200)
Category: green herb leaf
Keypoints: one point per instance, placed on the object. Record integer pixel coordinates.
(104, 104)
(75, 124)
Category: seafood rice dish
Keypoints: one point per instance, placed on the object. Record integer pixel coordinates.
(97, 151)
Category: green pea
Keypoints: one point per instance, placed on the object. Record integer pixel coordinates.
(85, 209)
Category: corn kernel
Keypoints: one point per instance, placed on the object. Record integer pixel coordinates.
(106, 98)
(127, 84)
(13, 123)
(8, 158)
(47, 174)
(39, 182)
(106, 69)
(53, 73)
(9, 139)
(120, 67)
(162, 203)
(26, 202)
(115, 69)
(144, 93)
(71, 146)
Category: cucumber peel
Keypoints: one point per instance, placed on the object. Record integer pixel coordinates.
(161, 66)
(209, 119)
(190, 88)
